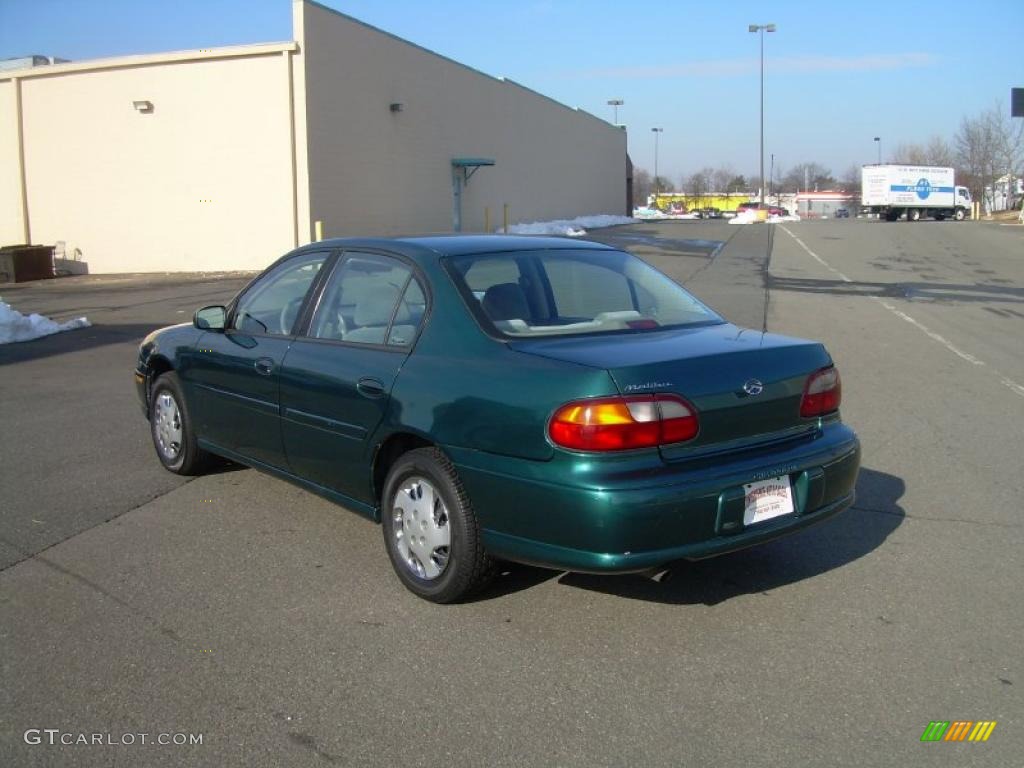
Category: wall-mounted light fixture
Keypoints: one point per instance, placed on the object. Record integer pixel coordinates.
(396, 106)
(143, 106)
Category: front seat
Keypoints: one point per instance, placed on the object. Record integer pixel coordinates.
(505, 301)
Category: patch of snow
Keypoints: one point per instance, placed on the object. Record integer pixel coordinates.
(15, 326)
(749, 216)
(572, 227)
(653, 214)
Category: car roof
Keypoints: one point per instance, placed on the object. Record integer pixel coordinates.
(435, 246)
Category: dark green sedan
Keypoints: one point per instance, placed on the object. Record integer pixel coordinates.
(539, 400)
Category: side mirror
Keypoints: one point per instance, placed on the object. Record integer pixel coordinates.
(212, 318)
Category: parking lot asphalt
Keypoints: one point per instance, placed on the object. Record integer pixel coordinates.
(268, 620)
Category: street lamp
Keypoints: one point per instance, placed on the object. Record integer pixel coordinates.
(761, 29)
(615, 104)
(657, 190)
(878, 141)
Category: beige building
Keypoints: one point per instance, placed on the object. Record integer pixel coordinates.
(227, 158)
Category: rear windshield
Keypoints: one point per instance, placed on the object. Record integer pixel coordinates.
(556, 293)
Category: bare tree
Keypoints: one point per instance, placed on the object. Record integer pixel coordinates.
(976, 154)
(1008, 145)
(850, 182)
(739, 183)
(664, 184)
(807, 176)
(909, 154)
(721, 177)
(697, 187)
(936, 152)
(939, 152)
(642, 186)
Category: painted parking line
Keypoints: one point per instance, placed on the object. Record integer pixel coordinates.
(1006, 381)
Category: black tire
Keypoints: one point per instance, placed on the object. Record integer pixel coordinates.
(468, 567)
(960, 214)
(914, 214)
(182, 456)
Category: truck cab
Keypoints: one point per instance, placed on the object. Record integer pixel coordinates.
(961, 205)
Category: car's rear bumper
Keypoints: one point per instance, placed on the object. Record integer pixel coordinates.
(676, 513)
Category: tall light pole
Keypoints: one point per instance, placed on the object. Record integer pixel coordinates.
(657, 189)
(771, 177)
(762, 28)
(615, 104)
(878, 141)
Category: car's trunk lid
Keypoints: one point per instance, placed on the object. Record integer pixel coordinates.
(746, 385)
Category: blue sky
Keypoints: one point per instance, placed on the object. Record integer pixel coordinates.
(837, 73)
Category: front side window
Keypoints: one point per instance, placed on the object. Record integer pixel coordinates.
(271, 306)
(370, 299)
(562, 292)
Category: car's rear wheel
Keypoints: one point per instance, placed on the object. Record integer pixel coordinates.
(171, 428)
(430, 529)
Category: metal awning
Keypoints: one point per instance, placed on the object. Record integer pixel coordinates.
(463, 169)
(470, 164)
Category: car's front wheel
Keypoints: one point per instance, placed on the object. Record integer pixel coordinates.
(171, 428)
(430, 529)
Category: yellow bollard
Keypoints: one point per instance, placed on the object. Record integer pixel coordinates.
(506, 219)
(487, 219)
(318, 228)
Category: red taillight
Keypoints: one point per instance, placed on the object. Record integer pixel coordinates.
(623, 423)
(822, 393)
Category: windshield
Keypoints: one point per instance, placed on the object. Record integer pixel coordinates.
(555, 293)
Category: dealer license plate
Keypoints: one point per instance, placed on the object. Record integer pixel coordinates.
(766, 499)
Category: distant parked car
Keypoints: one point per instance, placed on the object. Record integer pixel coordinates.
(842, 213)
(542, 400)
(711, 213)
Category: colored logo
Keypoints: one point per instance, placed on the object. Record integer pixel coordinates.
(958, 730)
(923, 188)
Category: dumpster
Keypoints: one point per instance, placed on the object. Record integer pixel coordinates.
(20, 263)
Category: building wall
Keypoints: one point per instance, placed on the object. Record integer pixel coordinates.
(247, 147)
(373, 171)
(203, 182)
(10, 186)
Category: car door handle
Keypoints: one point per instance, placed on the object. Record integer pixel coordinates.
(370, 387)
(264, 366)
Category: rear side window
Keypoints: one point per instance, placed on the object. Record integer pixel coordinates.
(562, 292)
(370, 299)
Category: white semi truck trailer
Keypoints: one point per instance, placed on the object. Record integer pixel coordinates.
(913, 192)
